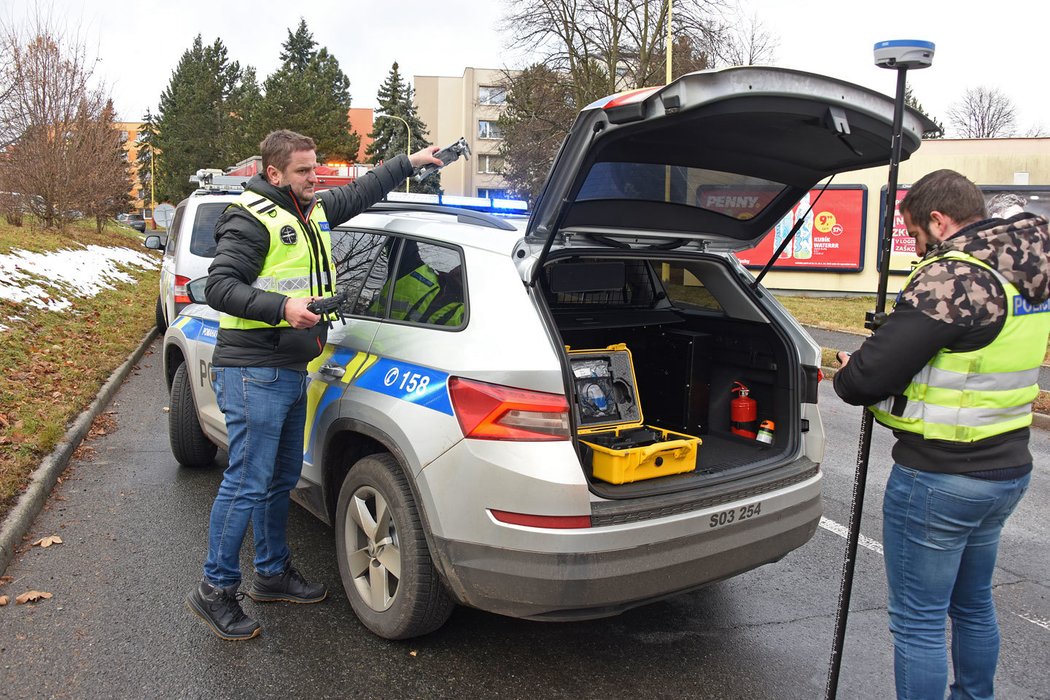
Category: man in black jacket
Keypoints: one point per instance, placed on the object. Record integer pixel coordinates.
(953, 372)
(274, 256)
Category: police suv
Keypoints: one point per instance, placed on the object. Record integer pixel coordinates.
(456, 454)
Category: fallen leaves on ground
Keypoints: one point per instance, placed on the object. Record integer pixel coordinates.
(3, 600)
(4, 580)
(32, 597)
(46, 542)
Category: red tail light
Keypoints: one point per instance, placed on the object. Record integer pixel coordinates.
(494, 412)
(181, 295)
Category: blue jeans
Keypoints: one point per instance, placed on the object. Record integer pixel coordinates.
(265, 410)
(941, 536)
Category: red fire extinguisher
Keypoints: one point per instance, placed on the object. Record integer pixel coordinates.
(743, 412)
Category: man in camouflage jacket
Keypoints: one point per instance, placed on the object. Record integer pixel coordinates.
(946, 500)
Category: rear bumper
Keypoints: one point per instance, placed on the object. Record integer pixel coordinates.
(588, 584)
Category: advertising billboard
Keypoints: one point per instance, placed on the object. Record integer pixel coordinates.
(830, 238)
(1003, 201)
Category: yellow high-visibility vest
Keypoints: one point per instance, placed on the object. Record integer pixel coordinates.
(970, 396)
(289, 264)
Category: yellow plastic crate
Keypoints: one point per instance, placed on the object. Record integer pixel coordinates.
(675, 454)
(671, 453)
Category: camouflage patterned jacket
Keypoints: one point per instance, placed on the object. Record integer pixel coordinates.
(956, 305)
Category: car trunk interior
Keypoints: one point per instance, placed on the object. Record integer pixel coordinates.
(689, 348)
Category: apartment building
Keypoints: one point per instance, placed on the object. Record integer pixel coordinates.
(467, 106)
(129, 133)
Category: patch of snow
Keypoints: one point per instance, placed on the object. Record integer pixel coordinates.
(80, 272)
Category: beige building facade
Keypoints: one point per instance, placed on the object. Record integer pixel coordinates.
(466, 106)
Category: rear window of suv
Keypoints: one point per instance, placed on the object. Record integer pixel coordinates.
(202, 240)
(728, 194)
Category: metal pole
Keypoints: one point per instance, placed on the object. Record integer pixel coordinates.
(669, 43)
(867, 423)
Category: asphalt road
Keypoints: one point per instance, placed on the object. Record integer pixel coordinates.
(133, 526)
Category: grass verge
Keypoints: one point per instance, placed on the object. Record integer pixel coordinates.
(52, 364)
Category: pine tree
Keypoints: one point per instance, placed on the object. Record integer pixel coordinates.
(389, 135)
(144, 144)
(310, 94)
(199, 120)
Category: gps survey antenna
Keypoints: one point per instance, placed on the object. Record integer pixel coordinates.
(897, 55)
(447, 155)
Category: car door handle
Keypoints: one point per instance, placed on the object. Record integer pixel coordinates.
(334, 371)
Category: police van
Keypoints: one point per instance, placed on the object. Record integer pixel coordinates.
(557, 444)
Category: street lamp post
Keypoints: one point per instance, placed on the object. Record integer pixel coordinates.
(408, 147)
(668, 81)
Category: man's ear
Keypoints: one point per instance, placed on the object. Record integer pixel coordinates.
(941, 225)
(273, 176)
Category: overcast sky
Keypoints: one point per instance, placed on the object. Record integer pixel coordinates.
(139, 42)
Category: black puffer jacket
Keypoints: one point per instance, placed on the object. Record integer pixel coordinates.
(243, 243)
(955, 305)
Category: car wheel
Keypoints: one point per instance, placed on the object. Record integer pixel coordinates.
(382, 552)
(162, 325)
(189, 444)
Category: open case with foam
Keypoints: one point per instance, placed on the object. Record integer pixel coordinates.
(615, 442)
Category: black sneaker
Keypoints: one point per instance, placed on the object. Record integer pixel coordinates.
(221, 609)
(289, 586)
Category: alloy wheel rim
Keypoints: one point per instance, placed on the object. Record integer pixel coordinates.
(373, 550)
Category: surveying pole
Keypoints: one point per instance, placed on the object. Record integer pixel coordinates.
(899, 55)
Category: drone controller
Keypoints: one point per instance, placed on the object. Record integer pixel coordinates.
(447, 155)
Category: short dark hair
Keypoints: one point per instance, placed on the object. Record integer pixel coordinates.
(945, 191)
(278, 146)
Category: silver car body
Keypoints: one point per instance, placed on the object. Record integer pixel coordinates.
(382, 385)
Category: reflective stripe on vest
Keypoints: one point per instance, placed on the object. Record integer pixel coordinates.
(969, 396)
(413, 294)
(289, 265)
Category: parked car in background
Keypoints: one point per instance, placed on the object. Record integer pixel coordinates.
(449, 439)
(189, 247)
(136, 222)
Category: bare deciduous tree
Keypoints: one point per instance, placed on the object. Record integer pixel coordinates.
(748, 43)
(605, 46)
(581, 50)
(51, 152)
(983, 113)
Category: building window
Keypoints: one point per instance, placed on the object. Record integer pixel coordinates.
(492, 95)
(490, 164)
(488, 129)
(493, 193)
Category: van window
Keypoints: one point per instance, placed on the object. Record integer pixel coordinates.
(202, 242)
(353, 253)
(686, 291)
(427, 286)
(729, 194)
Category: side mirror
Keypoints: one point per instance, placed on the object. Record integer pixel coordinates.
(153, 242)
(195, 290)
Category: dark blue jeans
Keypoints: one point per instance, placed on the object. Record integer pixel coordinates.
(941, 536)
(265, 410)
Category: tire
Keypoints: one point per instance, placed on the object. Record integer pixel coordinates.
(411, 604)
(162, 325)
(189, 444)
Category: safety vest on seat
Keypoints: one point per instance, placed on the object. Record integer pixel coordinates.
(969, 396)
(413, 293)
(289, 263)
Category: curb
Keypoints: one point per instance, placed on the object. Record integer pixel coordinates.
(43, 479)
